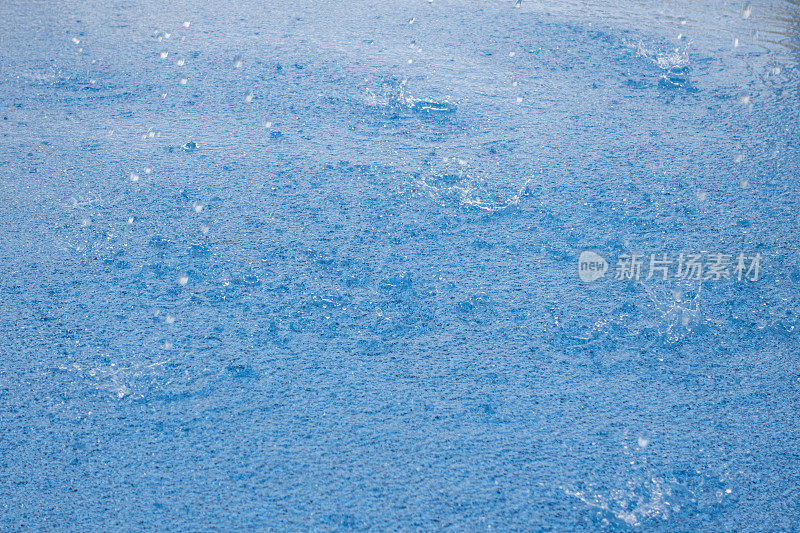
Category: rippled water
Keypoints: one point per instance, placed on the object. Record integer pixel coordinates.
(314, 265)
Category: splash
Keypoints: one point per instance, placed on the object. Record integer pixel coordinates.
(455, 183)
(394, 95)
(674, 64)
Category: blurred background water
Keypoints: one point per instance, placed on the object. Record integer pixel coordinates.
(312, 265)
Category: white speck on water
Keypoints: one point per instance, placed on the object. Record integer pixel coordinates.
(180, 62)
(410, 61)
(148, 170)
(248, 98)
(169, 319)
(512, 54)
(134, 177)
(736, 42)
(747, 11)
(268, 124)
(164, 55)
(238, 63)
(130, 220)
(167, 35)
(163, 95)
(204, 229)
(183, 280)
(198, 207)
(76, 40)
(412, 20)
(702, 196)
(519, 99)
(642, 442)
(744, 183)
(184, 81)
(738, 158)
(187, 24)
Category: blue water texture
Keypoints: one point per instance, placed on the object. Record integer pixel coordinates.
(313, 265)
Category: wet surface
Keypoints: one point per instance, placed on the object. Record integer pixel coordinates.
(315, 266)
